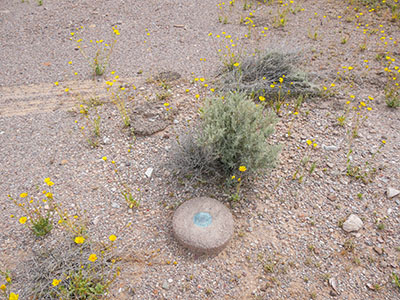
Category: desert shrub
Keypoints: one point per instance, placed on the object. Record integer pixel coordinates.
(267, 75)
(233, 132)
(236, 131)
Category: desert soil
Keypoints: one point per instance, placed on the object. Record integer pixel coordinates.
(288, 242)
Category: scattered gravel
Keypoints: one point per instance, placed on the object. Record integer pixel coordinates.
(287, 242)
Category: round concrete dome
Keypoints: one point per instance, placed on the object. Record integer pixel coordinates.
(203, 225)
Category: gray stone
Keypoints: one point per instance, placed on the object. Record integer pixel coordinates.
(391, 192)
(330, 148)
(149, 118)
(165, 285)
(106, 140)
(353, 223)
(115, 205)
(149, 172)
(334, 284)
(203, 225)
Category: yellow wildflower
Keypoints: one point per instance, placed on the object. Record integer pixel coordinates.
(79, 240)
(56, 83)
(3, 287)
(309, 142)
(49, 195)
(242, 168)
(23, 195)
(104, 158)
(383, 142)
(112, 238)
(261, 98)
(92, 257)
(13, 296)
(56, 282)
(23, 220)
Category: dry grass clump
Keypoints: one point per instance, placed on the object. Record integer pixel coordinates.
(66, 270)
(267, 75)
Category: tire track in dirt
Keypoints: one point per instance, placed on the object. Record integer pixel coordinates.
(46, 97)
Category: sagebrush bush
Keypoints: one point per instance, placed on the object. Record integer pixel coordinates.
(259, 76)
(236, 130)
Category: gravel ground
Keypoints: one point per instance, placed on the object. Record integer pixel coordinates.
(287, 242)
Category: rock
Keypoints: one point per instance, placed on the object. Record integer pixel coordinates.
(391, 192)
(168, 76)
(334, 285)
(370, 286)
(63, 162)
(149, 118)
(332, 197)
(115, 205)
(330, 148)
(353, 223)
(165, 285)
(149, 172)
(106, 140)
(378, 250)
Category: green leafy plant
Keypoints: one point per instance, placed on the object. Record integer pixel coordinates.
(121, 99)
(392, 97)
(91, 132)
(363, 171)
(38, 213)
(396, 280)
(125, 190)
